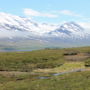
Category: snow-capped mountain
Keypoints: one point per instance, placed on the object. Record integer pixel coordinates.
(14, 23)
(16, 28)
(70, 29)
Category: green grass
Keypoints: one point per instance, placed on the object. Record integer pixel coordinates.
(19, 70)
(27, 61)
(72, 81)
(68, 66)
(40, 59)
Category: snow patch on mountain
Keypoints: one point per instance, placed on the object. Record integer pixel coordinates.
(16, 26)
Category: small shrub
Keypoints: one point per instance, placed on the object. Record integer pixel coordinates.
(70, 53)
(87, 63)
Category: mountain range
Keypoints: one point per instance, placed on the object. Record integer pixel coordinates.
(20, 33)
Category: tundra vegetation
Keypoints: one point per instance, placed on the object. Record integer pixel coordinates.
(20, 70)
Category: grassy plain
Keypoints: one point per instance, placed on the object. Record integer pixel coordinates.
(20, 70)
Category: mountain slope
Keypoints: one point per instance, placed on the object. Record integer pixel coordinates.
(20, 29)
(15, 23)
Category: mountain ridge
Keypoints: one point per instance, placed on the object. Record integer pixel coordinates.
(16, 28)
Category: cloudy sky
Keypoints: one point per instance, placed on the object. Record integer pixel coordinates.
(51, 11)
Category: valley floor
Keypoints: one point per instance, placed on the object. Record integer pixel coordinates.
(50, 69)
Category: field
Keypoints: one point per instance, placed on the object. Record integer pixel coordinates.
(22, 70)
(73, 81)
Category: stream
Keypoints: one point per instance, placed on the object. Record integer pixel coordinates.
(61, 73)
